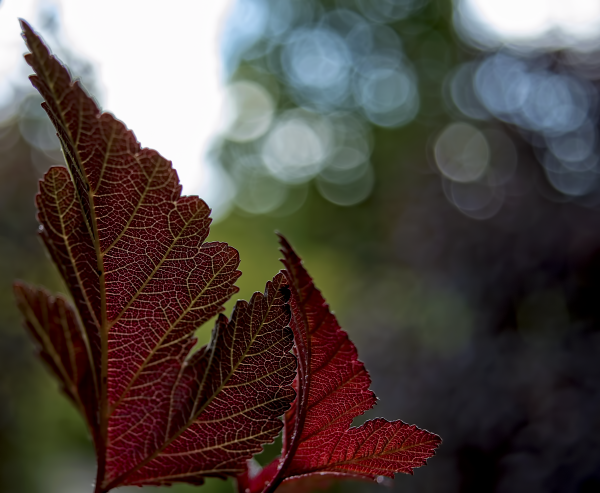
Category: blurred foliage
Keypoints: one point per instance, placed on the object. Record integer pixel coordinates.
(482, 328)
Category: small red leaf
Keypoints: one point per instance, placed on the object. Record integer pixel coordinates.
(132, 251)
(333, 388)
(53, 324)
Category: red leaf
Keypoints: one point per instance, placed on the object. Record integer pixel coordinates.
(333, 388)
(132, 251)
(53, 324)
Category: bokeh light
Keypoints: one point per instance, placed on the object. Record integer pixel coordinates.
(462, 152)
(348, 191)
(35, 126)
(258, 191)
(248, 111)
(552, 107)
(345, 68)
(317, 62)
(298, 145)
(387, 91)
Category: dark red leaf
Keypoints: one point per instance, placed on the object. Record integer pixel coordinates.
(333, 388)
(53, 324)
(132, 251)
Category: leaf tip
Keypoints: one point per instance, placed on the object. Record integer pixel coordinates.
(286, 249)
(25, 27)
(18, 291)
(282, 239)
(21, 289)
(27, 32)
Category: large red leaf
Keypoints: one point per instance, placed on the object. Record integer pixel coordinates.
(132, 251)
(333, 389)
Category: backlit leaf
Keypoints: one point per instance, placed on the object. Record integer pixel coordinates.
(53, 324)
(333, 389)
(132, 252)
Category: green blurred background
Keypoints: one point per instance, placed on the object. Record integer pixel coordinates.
(441, 184)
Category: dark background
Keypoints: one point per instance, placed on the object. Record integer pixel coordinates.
(466, 268)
